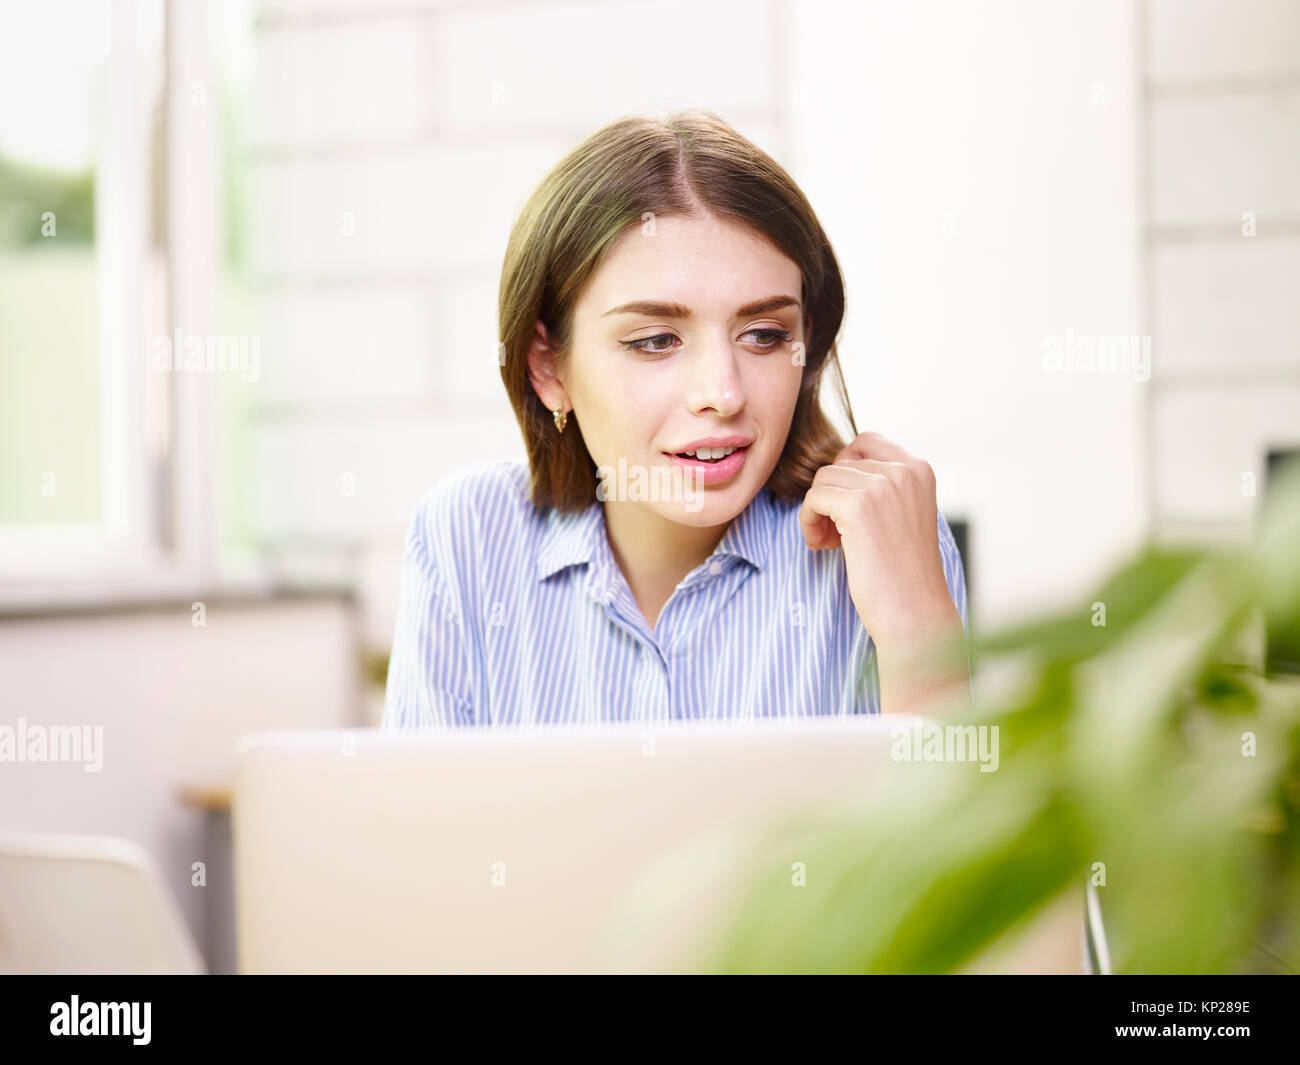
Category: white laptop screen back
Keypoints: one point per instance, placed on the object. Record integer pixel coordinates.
(551, 850)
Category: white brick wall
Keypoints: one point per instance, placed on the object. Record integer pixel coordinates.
(1203, 40)
(341, 83)
(1208, 438)
(1224, 139)
(470, 367)
(1217, 154)
(1229, 303)
(527, 67)
(345, 344)
(324, 479)
(440, 207)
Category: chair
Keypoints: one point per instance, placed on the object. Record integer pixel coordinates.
(87, 904)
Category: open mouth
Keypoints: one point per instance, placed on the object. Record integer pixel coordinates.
(709, 455)
(710, 470)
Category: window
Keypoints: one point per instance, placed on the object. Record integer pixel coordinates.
(83, 275)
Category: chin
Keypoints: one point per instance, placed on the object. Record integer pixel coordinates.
(713, 506)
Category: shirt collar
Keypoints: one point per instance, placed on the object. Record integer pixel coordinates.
(750, 536)
(570, 539)
(578, 537)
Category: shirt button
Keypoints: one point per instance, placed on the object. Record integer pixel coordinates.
(715, 567)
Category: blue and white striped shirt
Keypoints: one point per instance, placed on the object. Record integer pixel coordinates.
(513, 616)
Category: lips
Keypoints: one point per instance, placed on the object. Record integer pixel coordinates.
(712, 471)
(711, 441)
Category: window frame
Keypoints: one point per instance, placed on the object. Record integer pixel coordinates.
(157, 529)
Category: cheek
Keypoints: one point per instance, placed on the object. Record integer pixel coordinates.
(624, 408)
(640, 396)
(775, 390)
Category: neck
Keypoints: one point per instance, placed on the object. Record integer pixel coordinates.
(653, 552)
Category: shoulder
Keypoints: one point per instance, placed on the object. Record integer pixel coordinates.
(456, 511)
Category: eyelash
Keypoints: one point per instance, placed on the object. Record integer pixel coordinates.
(779, 336)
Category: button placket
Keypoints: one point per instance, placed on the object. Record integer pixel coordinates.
(668, 636)
(660, 684)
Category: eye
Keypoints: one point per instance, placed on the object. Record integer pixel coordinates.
(661, 343)
(771, 338)
(637, 345)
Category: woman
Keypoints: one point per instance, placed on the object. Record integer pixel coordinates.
(689, 537)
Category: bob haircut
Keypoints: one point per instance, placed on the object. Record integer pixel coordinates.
(690, 163)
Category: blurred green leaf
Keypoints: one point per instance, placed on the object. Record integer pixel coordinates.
(1142, 752)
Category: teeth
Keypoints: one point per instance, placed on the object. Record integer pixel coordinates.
(711, 453)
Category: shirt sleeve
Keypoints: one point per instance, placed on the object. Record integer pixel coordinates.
(955, 576)
(953, 571)
(427, 671)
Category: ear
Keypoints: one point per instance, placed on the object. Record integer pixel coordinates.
(541, 370)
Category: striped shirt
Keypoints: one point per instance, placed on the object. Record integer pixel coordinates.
(513, 616)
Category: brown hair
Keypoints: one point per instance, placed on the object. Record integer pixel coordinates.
(688, 163)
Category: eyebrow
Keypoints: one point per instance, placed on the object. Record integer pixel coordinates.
(655, 308)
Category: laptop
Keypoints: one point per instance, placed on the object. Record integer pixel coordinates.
(561, 849)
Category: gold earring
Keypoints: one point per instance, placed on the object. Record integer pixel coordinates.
(561, 418)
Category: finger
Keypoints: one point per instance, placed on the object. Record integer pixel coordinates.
(823, 513)
(902, 474)
(874, 446)
(849, 471)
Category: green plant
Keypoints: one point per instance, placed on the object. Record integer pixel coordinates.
(28, 192)
(1156, 744)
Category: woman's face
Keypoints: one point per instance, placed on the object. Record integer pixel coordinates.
(690, 329)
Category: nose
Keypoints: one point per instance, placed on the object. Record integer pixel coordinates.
(714, 379)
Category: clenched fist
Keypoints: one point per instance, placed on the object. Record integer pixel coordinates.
(877, 502)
